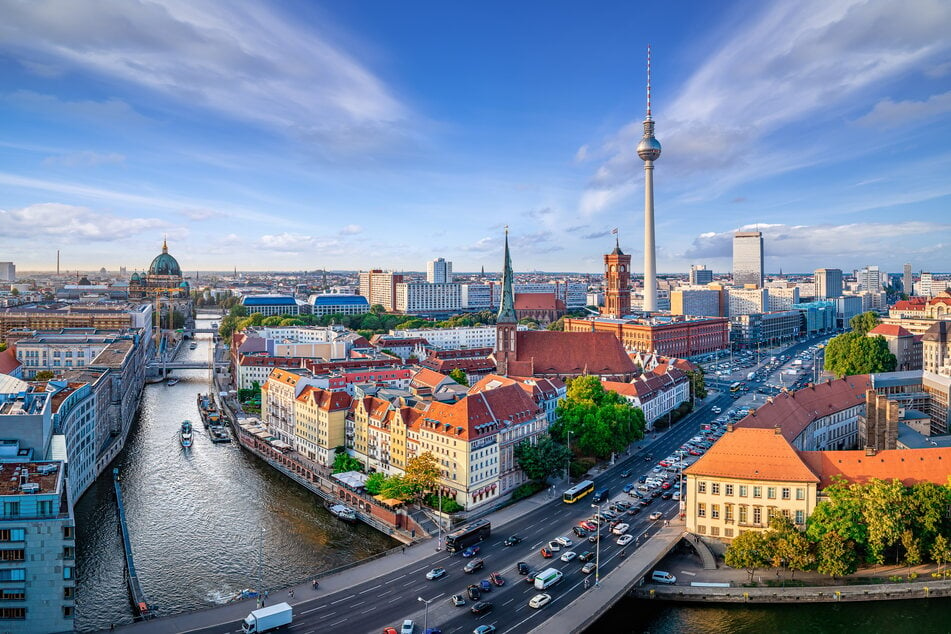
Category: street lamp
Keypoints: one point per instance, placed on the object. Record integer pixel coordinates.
(568, 466)
(426, 613)
(597, 549)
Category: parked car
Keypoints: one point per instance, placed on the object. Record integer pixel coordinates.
(436, 573)
(475, 564)
(539, 601)
(634, 510)
(565, 541)
(578, 531)
(471, 551)
(511, 541)
(408, 627)
(588, 525)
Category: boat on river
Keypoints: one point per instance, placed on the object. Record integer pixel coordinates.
(219, 433)
(171, 382)
(210, 415)
(185, 434)
(342, 512)
(192, 345)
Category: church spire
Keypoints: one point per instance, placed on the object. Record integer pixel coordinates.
(507, 307)
(165, 244)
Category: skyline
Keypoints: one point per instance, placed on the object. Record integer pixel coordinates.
(369, 136)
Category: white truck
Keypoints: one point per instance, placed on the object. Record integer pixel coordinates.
(267, 618)
(547, 578)
(749, 377)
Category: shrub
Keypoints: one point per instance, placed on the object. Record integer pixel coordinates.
(528, 489)
(449, 505)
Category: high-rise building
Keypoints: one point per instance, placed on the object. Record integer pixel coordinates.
(926, 285)
(379, 287)
(869, 279)
(617, 282)
(649, 151)
(907, 285)
(700, 275)
(748, 258)
(417, 298)
(8, 272)
(439, 271)
(699, 302)
(828, 283)
(748, 301)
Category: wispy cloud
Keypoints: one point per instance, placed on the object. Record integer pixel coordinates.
(351, 230)
(70, 223)
(84, 159)
(891, 114)
(245, 60)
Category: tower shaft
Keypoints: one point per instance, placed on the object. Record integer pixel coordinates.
(650, 264)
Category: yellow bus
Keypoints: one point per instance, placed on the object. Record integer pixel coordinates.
(578, 491)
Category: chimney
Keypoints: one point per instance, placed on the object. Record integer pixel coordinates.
(729, 427)
(778, 430)
(869, 451)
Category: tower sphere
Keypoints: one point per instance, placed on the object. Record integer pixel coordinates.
(648, 149)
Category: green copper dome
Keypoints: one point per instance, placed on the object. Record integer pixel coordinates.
(164, 264)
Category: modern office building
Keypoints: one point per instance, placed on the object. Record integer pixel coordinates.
(782, 297)
(818, 316)
(748, 301)
(8, 272)
(700, 275)
(907, 283)
(439, 271)
(828, 283)
(270, 305)
(338, 304)
(424, 298)
(748, 258)
(379, 287)
(765, 329)
(869, 278)
(699, 302)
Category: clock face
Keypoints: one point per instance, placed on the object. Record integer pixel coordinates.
(613, 268)
(623, 268)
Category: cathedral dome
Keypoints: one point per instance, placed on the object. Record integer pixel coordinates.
(164, 264)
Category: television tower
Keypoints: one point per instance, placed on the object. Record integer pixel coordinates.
(649, 151)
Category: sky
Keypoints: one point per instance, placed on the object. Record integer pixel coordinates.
(299, 135)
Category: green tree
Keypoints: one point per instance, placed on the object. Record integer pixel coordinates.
(459, 377)
(941, 550)
(912, 547)
(43, 375)
(600, 421)
(541, 459)
(864, 322)
(697, 384)
(374, 483)
(840, 512)
(377, 309)
(788, 547)
(344, 462)
(395, 487)
(422, 472)
(15, 292)
(883, 510)
(749, 550)
(855, 353)
(926, 506)
(558, 324)
(836, 555)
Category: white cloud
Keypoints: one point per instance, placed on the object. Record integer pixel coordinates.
(111, 112)
(200, 214)
(70, 223)
(351, 230)
(582, 154)
(84, 159)
(890, 114)
(243, 59)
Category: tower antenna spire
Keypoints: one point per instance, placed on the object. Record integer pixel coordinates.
(648, 82)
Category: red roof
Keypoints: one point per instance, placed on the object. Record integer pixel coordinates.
(325, 399)
(752, 454)
(889, 330)
(542, 352)
(908, 465)
(8, 361)
(481, 413)
(535, 301)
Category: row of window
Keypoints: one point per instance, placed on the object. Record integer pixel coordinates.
(743, 513)
(785, 493)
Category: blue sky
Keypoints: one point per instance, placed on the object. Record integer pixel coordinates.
(301, 135)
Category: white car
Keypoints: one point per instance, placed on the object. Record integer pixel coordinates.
(588, 568)
(564, 541)
(539, 601)
(408, 627)
(554, 546)
(624, 540)
(620, 529)
(656, 515)
(568, 556)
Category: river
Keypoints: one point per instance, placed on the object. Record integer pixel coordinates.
(196, 517)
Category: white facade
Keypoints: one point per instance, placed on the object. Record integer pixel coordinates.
(8, 272)
(439, 271)
(476, 297)
(748, 258)
(58, 353)
(422, 297)
(452, 338)
(748, 301)
(870, 279)
(779, 298)
(927, 287)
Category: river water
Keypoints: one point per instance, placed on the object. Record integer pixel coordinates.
(196, 517)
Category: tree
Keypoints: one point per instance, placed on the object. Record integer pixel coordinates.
(558, 324)
(3, 346)
(697, 384)
(377, 309)
(864, 322)
(344, 462)
(927, 504)
(374, 483)
(856, 353)
(749, 550)
(459, 377)
(788, 547)
(941, 550)
(43, 375)
(542, 459)
(600, 421)
(883, 508)
(15, 292)
(395, 487)
(912, 548)
(840, 513)
(836, 556)
(422, 472)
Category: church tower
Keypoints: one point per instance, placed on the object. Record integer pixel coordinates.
(617, 280)
(506, 324)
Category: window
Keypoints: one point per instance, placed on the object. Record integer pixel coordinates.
(715, 531)
(15, 554)
(743, 490)
(743, 509)
(800, 493)
(701, 487)
(67, 611)
(12, 535)
(757, 515)
(786, 493)
(715, 488)
(715, 511)
(728, 512)
(69, 552)
(771, 493)
(701, 529)
(12, 574)
(11, 509)
(701, 510)
(69, 592)
(8, 614)
(67, 572)
(757, 492)
(728, 489)
(12, 594)
(728, 532)
(800, 517)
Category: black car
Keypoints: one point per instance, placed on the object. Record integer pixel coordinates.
(586, 556)
(634, 510)
(481, 607)
(666, 495)
(626, 473)
(473, 565)
(522, 568)
(642, 479)
(473, 592)
(530, 577)
(511, 541)
(580, 532)
(646, 501)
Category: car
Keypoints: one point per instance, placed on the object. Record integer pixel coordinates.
(471, 551)
(624, 540)
(568, 556)
(473, 591)
(539, 601)
(436, 573)
(642, 479)
(472, 566)
(580, 532)
(565, 541)
(588, 525)
(614, 523)
(457, 600)
(485, 586)
(433, 630)
(646, 501)
(621, 506)
(408, 627)
(666, 495)
(696, 452)
(511, 541)
(586, 556)
(655, 494)
(497, 579)
(593, 538)
(634, 510)
(546, 553)
(656, 515)
(608, 515)
(389, 630)
(522, 568)
(626, 473)
(554, 546)
(659, 576)
(588, 568)
(620, 529)
(481, 607)
(484, 629)
(665, 486)
(530, 577)
(627, 487)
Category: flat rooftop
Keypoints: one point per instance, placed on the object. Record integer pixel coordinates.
(11, 476)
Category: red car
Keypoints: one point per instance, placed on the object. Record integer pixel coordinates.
(665, 485)
(546, 553)
(390, 630)
(663, 463)
(497, 579)
(695, 452)
(588, 526)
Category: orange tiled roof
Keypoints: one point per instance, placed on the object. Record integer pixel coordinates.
(889, 330)
(535, 301)
(429, 378)
(481, 413)
(569, 353)
(908, 465)
(794, 411)
(325, 399)
(8, 361)
(753, 454)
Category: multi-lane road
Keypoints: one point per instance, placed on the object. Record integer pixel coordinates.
(387, 600)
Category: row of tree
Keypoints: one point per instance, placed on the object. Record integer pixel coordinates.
(417, 483)
(857, 523)
(855, 352)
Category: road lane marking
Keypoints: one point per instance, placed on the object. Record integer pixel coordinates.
(395, 579)
(315, 609)
(419, 569)
(507, 602)
(369, 589)
(343, 599)
(338, 622)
